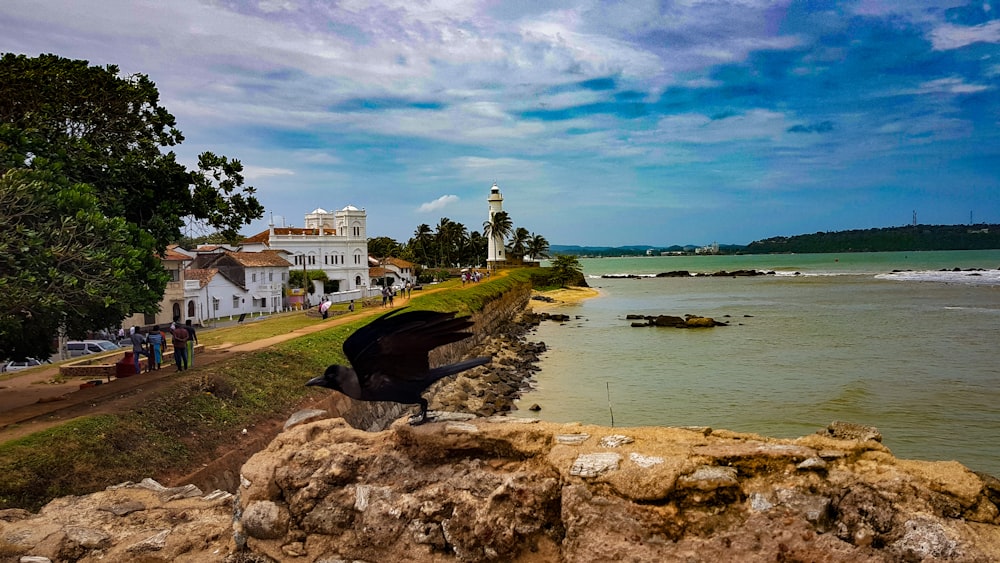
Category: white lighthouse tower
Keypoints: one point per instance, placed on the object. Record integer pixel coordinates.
(495, 252)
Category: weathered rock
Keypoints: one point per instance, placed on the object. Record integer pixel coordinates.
(127, 522)
(485, 491)
(509, 489)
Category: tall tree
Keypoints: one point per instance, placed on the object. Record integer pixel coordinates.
(442, 239)
(538, 247)
(422, 238)
(79, 125)
(63, 263)
(384, 247)
(94, 126)
(519, 242)
(498, 227)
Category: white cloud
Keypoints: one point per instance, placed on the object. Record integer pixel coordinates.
(949, 36)
(256, 172)
(438, 204)
(698, 128)
(952, 85)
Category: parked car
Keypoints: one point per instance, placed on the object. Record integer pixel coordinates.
(83, 347)
(18, 365)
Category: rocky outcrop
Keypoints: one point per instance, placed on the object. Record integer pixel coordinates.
(687, 274)
(687, 321)
(506, 489)
(517, 490)
(129, 522)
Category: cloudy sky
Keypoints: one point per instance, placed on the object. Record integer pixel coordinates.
(604, 123)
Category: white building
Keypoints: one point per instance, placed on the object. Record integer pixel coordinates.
(225, 284)
(495, 249)
(335, 243)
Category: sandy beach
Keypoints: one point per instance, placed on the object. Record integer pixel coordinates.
(561, 297)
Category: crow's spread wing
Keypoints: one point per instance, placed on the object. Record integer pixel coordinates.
(396, 344)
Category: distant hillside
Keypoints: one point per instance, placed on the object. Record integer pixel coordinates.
(888, 239)
(599, 250)
(909, 238)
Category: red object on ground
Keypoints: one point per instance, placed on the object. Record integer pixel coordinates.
(125, 367)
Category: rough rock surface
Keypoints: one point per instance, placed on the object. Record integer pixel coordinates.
(129, 522)
(517, 490)
(507, 489)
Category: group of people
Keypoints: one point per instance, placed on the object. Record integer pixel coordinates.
(472, 277)
(154, 343)
(388, 292)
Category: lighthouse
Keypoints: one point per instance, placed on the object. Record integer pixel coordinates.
(495, 252)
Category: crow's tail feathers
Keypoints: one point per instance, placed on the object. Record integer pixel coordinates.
(445, 371)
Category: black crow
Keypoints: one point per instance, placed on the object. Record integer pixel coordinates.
(389, 361)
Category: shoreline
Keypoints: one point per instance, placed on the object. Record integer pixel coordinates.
(558, 298)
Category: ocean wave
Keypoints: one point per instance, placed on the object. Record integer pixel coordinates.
(967, 277)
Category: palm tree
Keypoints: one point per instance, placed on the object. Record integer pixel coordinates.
(442, 237)
(475, 250)
(498, 227)
(519, 242)
(538, 247)
(422, 237)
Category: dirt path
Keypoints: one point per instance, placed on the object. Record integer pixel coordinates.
(30, 403)
(33, 401)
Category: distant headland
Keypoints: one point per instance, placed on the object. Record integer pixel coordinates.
(909, 238)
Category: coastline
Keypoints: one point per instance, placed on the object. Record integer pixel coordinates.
(553, 299)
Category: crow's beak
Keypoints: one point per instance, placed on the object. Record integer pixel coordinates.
(316, 381)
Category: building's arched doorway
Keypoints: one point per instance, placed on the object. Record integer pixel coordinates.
(176, 310)
(191, 309)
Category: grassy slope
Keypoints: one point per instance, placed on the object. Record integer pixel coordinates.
(175, 430)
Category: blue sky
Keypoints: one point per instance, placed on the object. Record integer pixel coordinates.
(604, 123)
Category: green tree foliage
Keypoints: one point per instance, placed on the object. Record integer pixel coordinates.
(890, 239)
(498, 226)
(538, 247)
(98, 136)
(519, 242)
(64, 262)
(94, 126)
(384, 247)
(567, 270)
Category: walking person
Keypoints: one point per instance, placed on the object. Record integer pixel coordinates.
(138, 348)
(192, 340)
(155, 340)
(179, 340)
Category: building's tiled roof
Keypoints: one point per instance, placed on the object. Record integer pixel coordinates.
(203, 275)
(172, 255)
(398, 262)
(376, 272)
(264, 237)
(260, 259)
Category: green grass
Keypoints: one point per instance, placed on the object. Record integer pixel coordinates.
(184, 426)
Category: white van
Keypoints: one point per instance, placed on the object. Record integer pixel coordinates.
(84, 347)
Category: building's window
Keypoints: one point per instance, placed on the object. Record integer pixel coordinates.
(253, 278)
(236, 302)
(175, 275)
(357, 231)
(284, 276)
(215, 303)
(270, 276)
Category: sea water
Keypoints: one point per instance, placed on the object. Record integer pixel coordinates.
(900, 341)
